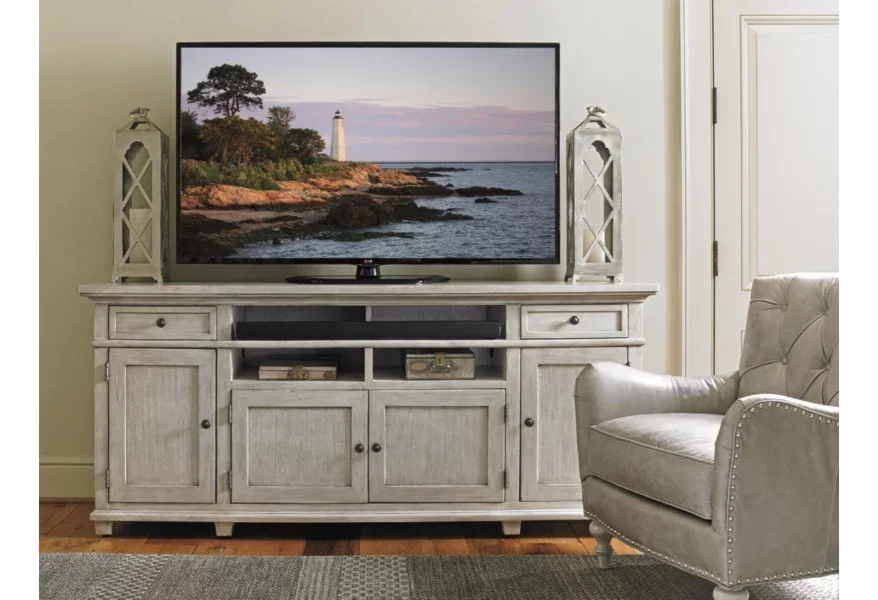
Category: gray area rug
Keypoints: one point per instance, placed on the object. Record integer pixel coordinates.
(152, 576)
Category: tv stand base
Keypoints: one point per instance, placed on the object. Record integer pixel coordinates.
(368, 274)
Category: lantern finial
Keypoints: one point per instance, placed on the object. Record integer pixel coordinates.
(139, 114)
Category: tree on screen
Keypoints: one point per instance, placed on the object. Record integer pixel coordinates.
(227, 90)
(279, 119)
(305, 145)
(235, 140)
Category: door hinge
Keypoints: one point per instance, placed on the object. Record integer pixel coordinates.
(230, 480)
(108, 478)
(714, 106)
(505, 479)
(715, 259)
(107, 370)
(505, 413)
(230, 414)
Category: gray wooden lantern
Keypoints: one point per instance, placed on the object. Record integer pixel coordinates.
(140, 204)
(594, 199)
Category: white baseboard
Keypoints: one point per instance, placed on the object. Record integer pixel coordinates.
(66, 477)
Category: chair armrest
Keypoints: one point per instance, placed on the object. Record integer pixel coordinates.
(607, 391)
(775, 489)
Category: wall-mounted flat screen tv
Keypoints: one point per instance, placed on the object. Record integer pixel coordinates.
(367, 152)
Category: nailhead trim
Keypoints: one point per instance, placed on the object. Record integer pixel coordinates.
(725, 581)
(731, 499)
(663, 557)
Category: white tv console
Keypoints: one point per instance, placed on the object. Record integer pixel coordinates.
(185, 431)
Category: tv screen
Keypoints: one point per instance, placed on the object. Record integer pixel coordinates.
(348, 153)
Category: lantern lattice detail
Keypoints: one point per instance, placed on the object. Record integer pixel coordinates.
(140, 204)
(594, 199)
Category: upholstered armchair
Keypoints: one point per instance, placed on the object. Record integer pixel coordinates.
(733, 478)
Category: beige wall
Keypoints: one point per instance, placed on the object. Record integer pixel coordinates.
(100, 58)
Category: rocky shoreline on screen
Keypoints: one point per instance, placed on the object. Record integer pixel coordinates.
(217, 220)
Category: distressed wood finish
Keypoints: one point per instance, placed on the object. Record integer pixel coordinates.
(511, 527)
(436, 446)
(162, 323)
(299, 447)
(594, 199)
(140, 206)
(454, 293)
(101, 408)
(549, 458)
(286, 452)
(159, 451)
(583, 321)
(64, 527)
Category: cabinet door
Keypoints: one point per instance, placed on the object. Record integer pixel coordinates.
(549, 460)
(160, 451)
(290, 446)
(437, 446)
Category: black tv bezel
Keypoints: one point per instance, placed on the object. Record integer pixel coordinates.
(556, 259)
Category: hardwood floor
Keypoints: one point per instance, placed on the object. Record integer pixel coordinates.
(65, 527)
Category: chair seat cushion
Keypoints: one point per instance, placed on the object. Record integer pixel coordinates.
(666, 457)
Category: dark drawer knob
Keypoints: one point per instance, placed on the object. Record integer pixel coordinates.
(160, 322)
(574, 320)
(359, 448)
(205, 424)
(528, 422)
(376, 447)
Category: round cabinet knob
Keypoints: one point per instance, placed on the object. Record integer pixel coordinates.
(376, 447)
(205, 424)
(574, 320)
(359, 448)
(528, 422)
(160, 322)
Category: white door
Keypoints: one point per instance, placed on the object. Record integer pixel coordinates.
(549, 458)
(290, 447)
(437, 446)
(162, 435)
(776, 150)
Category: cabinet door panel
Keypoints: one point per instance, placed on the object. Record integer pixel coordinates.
(159, 452)
(292, 446)
(549, 459)
(437, 446)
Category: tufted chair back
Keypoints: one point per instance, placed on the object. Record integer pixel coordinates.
(791, 342)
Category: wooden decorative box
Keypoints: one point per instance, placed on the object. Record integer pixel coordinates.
(425, 363)
(315, 369)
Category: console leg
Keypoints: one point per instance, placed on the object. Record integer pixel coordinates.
(604, 550)
(511, 527)
(224, 529)
(103, 527)
(721, 593)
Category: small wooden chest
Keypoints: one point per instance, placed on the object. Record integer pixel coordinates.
(424, 363)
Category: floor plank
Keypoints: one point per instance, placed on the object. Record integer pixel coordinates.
(52, 513)
(549, 537)
(487, 538)
(74, 533)
(332, 539)
(413, 539)
(66, 527)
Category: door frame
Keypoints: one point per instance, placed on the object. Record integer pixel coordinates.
(697, 187)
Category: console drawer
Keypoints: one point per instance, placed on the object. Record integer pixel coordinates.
(588, 321)
(162, 323)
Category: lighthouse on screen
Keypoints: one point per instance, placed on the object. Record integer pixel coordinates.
(336, 149)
